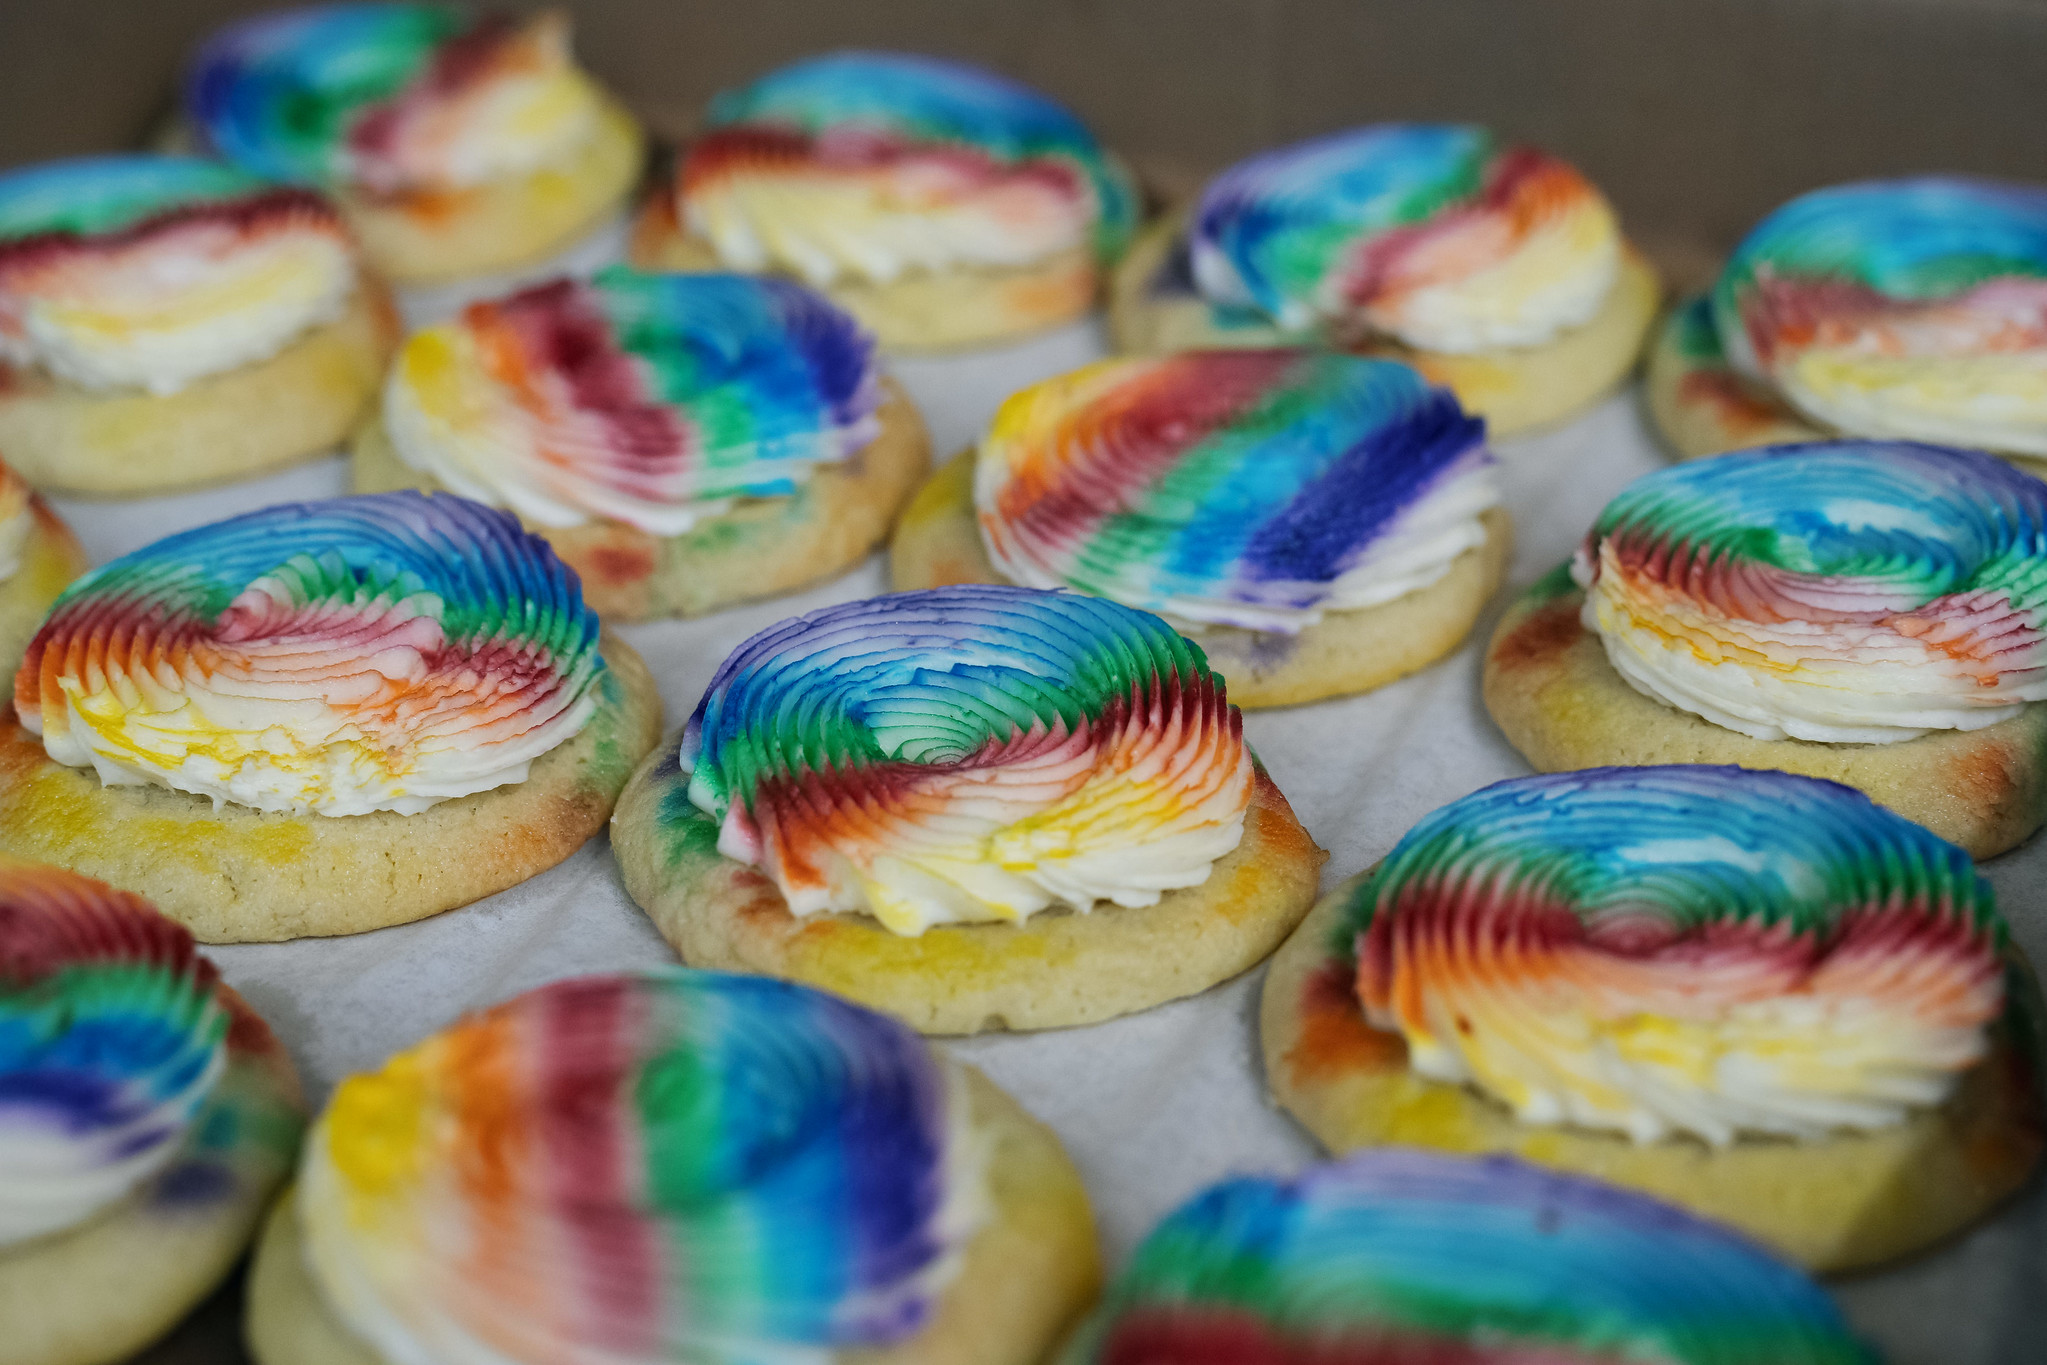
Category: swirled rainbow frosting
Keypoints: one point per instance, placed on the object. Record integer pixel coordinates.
(391, 99)
(143, 271)
(970, 753)
(665, 1166)
(1901, 308)
(338, 657)
(1405, 1258)
(1689, 949)
(1247, 488)
(1429, 233)
(872, 165)
(1847, 592)
(648, 399)
(111, 1040)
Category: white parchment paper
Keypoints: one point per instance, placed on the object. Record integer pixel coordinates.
(1152, 1107)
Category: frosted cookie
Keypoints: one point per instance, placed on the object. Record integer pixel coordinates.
(322, 718)
(673, 1166)
(1912, 309)
(1397, 1257)
(1320, 524)
(942, 205)
(1860, 611)
(167, 321)
(1499, 272)
(684, 442)
(1757, 995)
(974, 808)
(455, 146)
(38, 556)
(146, 1117)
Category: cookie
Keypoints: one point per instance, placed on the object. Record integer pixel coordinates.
(944, 206)
(1408, 1256)
(1756, 995)
(1887, 309)
(863, 1199)
(168, 322)
(1498, 272)
(1853, 610)
(685, 442)
(38, 556)
(1321, 524)
(974, 808)
(355, 713)
(151, 1114)
(455, 146)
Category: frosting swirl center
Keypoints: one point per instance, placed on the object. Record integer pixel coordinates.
(653, 400)
(1259, 489)
(968, 754)
(336, 658)
(111, 1040)
(672, 1165)
(1847, 592)
(1699, 950)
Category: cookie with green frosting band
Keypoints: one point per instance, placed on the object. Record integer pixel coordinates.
(684, 1166)
(1860, 611)
(1758, 996)
(944, 206)
(150, 1117)
(38, 557)
(169, 321)
(1899, 309)
(1400, 1256)
(322, 718)
(973, 808)
(1321, 524)
(684, 442)
(455, 145)
(1499, 272)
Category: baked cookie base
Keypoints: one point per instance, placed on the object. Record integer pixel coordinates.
(97, 1293)
(957, 310)
(50, 558)
(1703, 406)
(1054, 970)
(939, 543)
(432, 238)
(1154, 309)
(239, 875)
(1843, 1203)
(762, 547)
(299, 403)
(1029, 1274)
(1558, 700)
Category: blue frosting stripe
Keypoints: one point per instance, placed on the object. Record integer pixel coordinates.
(1402, 1255)
(98, 194)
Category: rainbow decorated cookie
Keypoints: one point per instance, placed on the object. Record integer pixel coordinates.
(974, 807)
(673, 1166)
(683, 441)
(1392, 1257)
(146, 1117)
(455, 145)
(1320, 523)
(38, 556)
(322, 718)
(1868, 612)
(1904, 309)
(942, 205)
(1498, 271)
(1757, 995)
(168, 321)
